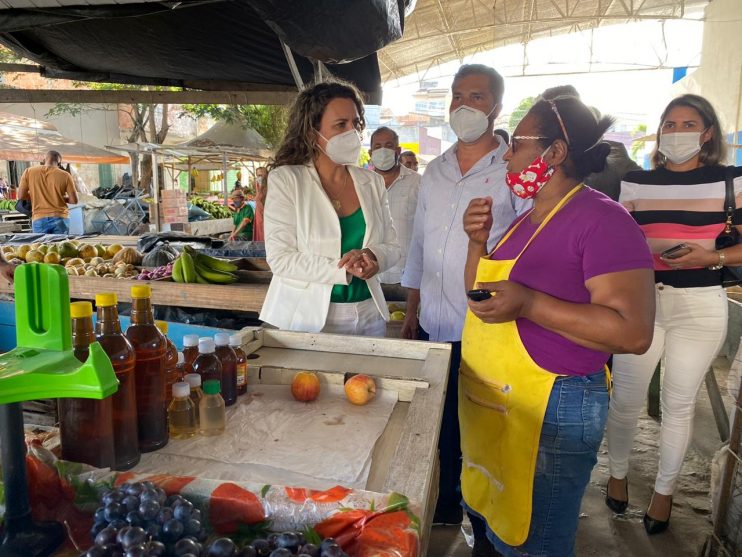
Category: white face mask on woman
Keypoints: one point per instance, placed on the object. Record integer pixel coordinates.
(680, 147)
(384, 158)
(344, 148)
(469, 123)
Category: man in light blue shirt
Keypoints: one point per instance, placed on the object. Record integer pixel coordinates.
(434, 271)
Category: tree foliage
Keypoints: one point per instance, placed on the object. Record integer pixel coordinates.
(268, 120)
(521, 110)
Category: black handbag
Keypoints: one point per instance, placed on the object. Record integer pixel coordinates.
(23, 206)
(729, 237)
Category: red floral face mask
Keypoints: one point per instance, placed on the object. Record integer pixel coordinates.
(528, 182)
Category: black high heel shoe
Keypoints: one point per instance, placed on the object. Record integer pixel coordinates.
(654, 526)
(615, 505)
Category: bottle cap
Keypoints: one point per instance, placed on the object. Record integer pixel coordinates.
(181, 390)
(81, 309)
(234, 340)
(212, 387)
(141, 291)
(193, 379)
(189, 341)
(221, 339)
(162, 326)
(181, 358)
(106, 299)
(206, 345)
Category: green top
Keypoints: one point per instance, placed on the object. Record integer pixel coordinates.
(212, 387)
(352, 231)
(245, 212)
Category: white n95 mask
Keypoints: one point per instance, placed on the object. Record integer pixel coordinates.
(469, 123)
(344, 148)
(384, 158)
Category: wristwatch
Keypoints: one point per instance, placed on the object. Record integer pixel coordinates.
(720, 265)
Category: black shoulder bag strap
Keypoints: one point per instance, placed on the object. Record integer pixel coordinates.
(730, 204)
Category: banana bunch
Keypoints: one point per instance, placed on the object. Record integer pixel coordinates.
(192, 267)
(214, 209)
(7, 204)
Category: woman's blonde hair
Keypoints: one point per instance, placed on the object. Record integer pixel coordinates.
(714, 151)
(299, 144)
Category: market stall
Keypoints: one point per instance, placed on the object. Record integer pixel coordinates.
(355, 466)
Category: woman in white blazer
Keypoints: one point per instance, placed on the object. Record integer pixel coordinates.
(328, 230)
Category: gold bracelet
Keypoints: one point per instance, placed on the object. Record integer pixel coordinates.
(722, 260)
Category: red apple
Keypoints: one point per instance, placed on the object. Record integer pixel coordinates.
(305, 386)
(360, 389)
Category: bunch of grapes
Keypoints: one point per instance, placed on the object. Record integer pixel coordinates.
(140, 520)
(287, 544)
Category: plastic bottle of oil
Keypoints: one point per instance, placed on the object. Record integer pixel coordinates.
(150, 347)
(171, 362)
(207, 365)
(190, 351)
(234, 342)
(86, 425)
(212, 410)
(228, 359)
(194, 380)
(121, 352)
(181, 412)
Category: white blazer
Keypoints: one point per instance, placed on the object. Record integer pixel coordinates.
(302, 244)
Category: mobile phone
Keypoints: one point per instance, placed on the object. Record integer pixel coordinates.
(479, 295)
(675, 251)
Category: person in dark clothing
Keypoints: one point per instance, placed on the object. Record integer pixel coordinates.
(618, 163)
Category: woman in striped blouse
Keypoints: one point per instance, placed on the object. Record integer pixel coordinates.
(680, 201)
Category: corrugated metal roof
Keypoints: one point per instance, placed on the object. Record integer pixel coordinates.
(439, 31)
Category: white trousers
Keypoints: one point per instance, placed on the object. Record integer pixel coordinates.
(360, 318)
(689, 331)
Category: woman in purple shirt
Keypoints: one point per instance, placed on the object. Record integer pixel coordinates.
(569, 284)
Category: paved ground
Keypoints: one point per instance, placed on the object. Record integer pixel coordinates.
(605, 535)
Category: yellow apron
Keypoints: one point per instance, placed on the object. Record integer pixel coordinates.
(503, 396)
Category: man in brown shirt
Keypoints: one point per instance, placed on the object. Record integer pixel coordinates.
(50, 189)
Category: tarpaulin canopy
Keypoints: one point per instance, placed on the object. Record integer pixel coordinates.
(27, 139)
(232, 138)
(217, 45)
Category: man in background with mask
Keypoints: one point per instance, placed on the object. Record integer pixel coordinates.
(409, 159)
(242, 218)
(434, 273)
(402, 185)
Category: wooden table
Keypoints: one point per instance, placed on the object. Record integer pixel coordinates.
(405, 457)
(237, 297)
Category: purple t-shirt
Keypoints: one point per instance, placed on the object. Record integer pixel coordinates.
(590, 236)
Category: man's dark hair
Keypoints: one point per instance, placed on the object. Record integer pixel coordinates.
(502, 133)
(408, 153)
(385, 129)
(559, 91)
(497, 83)
(54, 155)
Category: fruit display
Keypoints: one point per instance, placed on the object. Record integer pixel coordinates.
(140, 520)
(214, 209)
(192, 267)
(305, 386)
(360, 389)
(7, 204)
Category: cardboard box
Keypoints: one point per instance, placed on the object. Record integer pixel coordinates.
(174, 203)
(176, 212)
(169, 194)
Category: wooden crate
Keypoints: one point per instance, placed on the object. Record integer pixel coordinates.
(405, 456)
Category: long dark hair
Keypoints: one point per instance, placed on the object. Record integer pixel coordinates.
(298, 145)
(713, 151)
(585, 128)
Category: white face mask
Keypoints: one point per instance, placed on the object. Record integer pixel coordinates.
(384, 158)
(680, 147)
(344, 148)
(469, 123)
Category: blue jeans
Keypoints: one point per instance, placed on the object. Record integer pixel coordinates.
(570, 438)
(51, 225)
